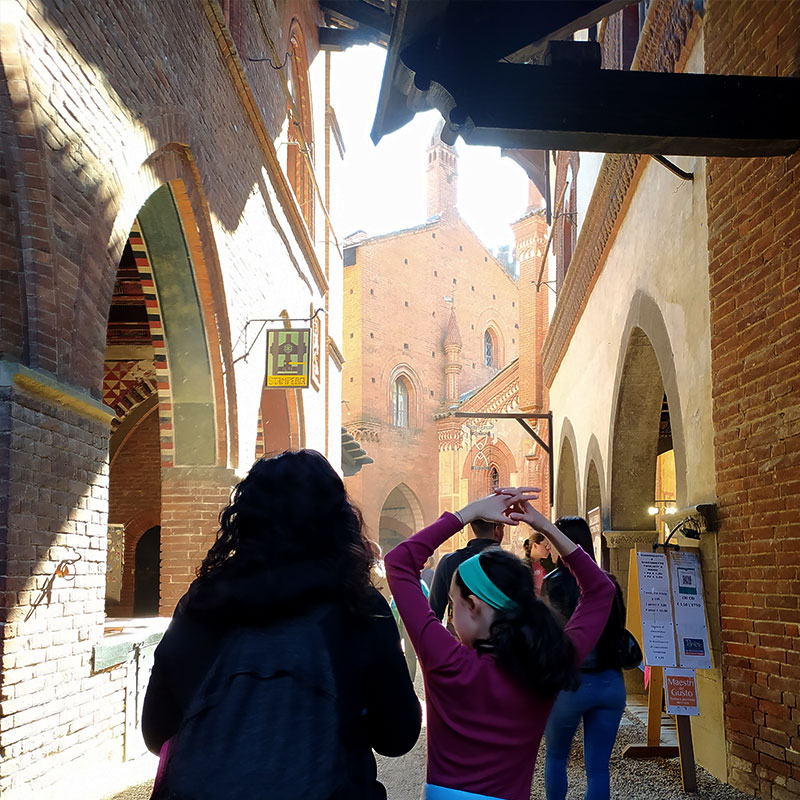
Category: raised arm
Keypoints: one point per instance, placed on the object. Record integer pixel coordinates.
(434, 645)
(596, 590)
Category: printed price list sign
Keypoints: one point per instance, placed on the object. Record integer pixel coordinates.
(658, 630)
(689, 607)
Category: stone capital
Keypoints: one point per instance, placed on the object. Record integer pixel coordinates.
(629, 540)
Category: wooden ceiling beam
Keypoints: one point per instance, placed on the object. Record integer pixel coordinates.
(608, 111)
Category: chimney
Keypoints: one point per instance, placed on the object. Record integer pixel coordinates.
(442, 177)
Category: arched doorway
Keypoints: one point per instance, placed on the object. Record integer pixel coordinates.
(147, 573)
(401, 516)
(567, 481)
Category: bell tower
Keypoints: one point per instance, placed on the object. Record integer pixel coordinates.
(442, 177)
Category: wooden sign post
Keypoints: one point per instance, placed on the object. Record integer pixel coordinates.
(653, 748)
(672, 630)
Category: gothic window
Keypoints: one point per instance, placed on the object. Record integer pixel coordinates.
(489, 354)
(400, 403)
(494, 478)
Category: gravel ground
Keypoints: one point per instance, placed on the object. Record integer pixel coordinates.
(631, 779)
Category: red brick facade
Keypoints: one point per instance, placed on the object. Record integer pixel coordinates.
(399, 296)
(754, 274)
(104, 107)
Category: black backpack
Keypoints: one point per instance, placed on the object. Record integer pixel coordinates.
(265, 722)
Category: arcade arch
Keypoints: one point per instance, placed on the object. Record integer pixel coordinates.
(567, 475)
(401, 516)
(158, 373)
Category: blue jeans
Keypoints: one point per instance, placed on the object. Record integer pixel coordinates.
(599, 701)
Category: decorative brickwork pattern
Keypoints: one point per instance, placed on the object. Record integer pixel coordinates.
(159, 346)
(754, 276)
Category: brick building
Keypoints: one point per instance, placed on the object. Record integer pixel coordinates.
(430, 316)
(161, 187)
(678, 314)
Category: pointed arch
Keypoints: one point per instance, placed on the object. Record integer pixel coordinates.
(567, 477)
(645, 374)
(400, 516)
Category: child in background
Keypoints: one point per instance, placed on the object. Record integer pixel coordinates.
(489, 692)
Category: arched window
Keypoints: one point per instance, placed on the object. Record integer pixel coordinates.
(400, 403)
(489, 349)
(494, 478)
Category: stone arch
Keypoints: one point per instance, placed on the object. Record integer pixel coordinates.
(400, 516)
(567, 479)
(406, 373)
(172, 166)
(645, 373)
(594, 479)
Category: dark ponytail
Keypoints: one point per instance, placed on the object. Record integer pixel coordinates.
(527, 641)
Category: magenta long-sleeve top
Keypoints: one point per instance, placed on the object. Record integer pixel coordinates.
(484, 728)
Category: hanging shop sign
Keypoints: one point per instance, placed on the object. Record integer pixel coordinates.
(658, 628)
(288, 358)
(680, 687)
(691, 631)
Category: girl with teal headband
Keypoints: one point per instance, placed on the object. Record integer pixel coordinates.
(489, 691)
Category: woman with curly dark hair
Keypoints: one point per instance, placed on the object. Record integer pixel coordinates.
(282, 612)
(489, 692)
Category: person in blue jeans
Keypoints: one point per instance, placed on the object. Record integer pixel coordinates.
(599, 701)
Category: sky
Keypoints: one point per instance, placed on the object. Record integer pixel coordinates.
(383, 188)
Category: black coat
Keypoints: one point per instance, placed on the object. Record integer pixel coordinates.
(379, 706)
(560, 591)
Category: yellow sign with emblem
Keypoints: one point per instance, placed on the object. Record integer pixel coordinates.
(288, 358)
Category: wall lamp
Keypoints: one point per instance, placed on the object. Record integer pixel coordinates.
(668, 509)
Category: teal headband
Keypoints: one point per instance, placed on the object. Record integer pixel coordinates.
(478, 582)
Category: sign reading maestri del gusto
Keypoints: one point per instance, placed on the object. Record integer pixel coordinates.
(288, 358)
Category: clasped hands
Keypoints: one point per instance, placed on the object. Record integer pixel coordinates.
(508, 505)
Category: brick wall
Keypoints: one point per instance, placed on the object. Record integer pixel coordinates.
(754, 273)
(101, 103)
(396, 315)
(55, 462)
(135, 496)
(191, 499)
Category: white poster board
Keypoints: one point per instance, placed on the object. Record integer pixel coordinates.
(694, 651)
(680, 690)
(658, 630)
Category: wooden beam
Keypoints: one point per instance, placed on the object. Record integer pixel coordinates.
(359, 13)
(609, 111)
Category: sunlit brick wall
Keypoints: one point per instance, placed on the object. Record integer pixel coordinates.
(754, 273)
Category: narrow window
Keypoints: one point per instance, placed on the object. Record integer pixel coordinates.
(494, 478)
(400, 404)
(488, 349)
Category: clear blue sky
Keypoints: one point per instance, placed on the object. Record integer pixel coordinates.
(383, 187)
